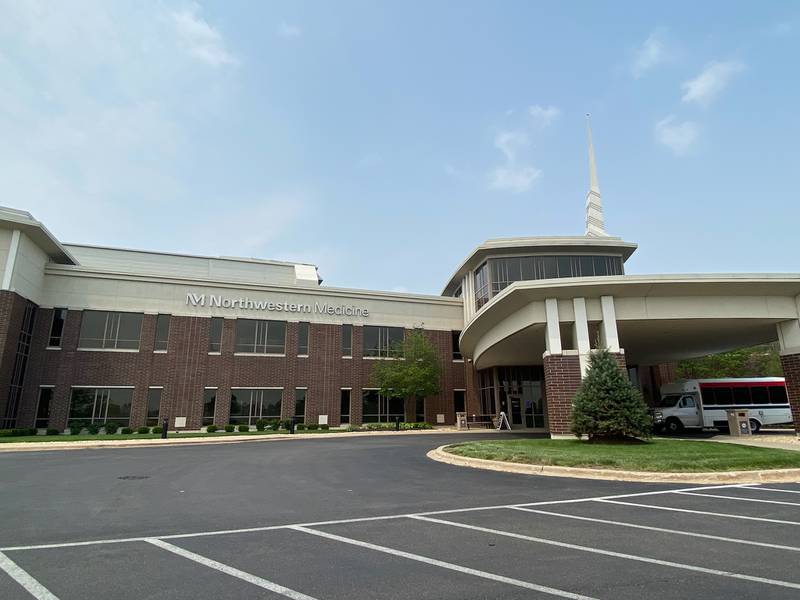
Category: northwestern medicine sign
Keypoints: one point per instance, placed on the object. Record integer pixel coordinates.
(320, 308)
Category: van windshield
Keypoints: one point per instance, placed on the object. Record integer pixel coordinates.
(668, 401)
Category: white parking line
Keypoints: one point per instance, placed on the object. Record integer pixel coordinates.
(355, 520)
(660, 529)
(21, 576)
(768, 489)
(644, 559)
(228, 570)
(444, 565)
(740, 498)
(703, 512)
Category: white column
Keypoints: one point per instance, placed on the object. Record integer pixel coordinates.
(552, 333)
(608, 331)
(789, 336)
(581, 333)
(10, 260)
(468, 296)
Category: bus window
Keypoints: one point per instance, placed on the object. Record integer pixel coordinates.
(723, 395)
(741, 395)
(708, 396)
(759, 394)
(688, 402)
(777, 395)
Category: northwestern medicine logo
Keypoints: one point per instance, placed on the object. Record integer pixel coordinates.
(320, 308)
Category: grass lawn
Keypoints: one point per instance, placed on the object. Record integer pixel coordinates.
(143, 436)
(656, 455)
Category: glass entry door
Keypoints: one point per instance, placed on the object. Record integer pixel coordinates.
(521, 396)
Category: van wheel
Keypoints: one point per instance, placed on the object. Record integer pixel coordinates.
(755, 426)
(673, 426)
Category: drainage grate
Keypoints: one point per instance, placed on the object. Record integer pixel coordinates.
(134, 477)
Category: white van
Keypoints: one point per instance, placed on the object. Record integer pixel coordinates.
(698, 403)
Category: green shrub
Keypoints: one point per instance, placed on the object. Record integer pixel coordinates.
(244, 428)
(126, 431)
(300, 427)
(158, 429)
(261, 424)
(93, 428)
(143, 429)
(17, 432)
(325, 427)
(230, 428)
(111, 427)
(211, 428)
(274, 424)
(75, 427)
(607, 405)
(53, 431)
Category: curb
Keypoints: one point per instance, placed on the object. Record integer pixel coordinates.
(187, 441)
(767, 476)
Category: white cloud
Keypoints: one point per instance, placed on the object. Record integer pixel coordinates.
(200, 39)
(511, 142)
(289, 31)
(544, 115)
(513, 178)
(650, 54)
(710, 82)
(677, 136)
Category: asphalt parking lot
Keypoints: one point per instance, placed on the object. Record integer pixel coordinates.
(374, 518)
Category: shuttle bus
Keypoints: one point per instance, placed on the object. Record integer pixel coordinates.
(698, 403)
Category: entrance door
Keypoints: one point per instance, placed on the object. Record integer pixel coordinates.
(516, 410)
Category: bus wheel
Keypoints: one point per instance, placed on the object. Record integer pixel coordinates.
(755, 426)
(673, 426)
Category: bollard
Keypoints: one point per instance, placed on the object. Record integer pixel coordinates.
(291, 425)
(397, 423)
(164, 427)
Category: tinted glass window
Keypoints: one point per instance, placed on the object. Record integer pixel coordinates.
(723, 395)
(347, 340)
(344, 406)
(759, 395)
(209, 406)
(300, 405)
(153, 405)
(162, 332)
(455, 347)
(458, 401)
(130, 328)
(564, 266)
(777, 394)
(550, 267)
(302, 338)
(260, 337)
(586, 266)
(43, 409)
(271, 406)
(99, 405)
(369, 406)
(57, 327)
(600, 266)
(741, 395)
(215, 334)
(110, 330)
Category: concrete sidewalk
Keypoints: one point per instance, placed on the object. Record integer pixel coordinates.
(767, 439)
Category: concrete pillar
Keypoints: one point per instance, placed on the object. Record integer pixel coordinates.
(609, 338)
(552, 329)
(580, 334)
(789, 338)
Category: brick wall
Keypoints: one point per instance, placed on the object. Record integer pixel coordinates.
(187, 368)
(562, 377)
(791, 371)
(12, 311)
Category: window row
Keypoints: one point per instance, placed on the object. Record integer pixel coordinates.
(103, 330)
(248, 405)
(744, 395)
(496, 274)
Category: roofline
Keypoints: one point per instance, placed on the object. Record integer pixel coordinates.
(263, 261)
(40, 234)
(627, 249)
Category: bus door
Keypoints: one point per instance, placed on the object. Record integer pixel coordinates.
(688, 411)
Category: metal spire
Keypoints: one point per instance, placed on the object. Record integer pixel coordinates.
(594, 207)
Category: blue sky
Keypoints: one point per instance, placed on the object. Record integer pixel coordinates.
(383, 141)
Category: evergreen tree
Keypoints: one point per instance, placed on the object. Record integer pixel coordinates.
(416, 372)
(607, 405)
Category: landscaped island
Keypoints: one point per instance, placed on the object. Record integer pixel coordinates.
(658, 455)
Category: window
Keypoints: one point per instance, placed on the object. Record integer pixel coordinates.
(454, 335)
(209, 405)
(302, 339)
(487, 392)
(419, 410)
(300, 405)
(215, 334)
(383, 342)
(777, 395)
(251, 405)
(20, 366)
(688, 402)
(43, 409)
(459, 405)
(481, 285)
(347, 340)
(759, 394)
(741, 395)
(57, 327)
(153, 405)
(344, 406)
(162, 333)
(723, 395)
(260, 337)
(110, 330)
(380, 409)
(99, 405)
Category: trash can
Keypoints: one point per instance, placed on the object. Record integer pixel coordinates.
(738, 422)
(461, 420)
